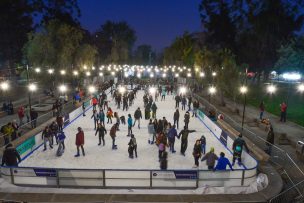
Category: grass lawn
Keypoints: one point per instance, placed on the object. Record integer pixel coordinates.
(285, 92)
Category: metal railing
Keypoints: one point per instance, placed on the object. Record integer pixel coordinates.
(126, 178)
(278, 157)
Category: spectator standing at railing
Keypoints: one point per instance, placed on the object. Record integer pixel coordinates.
(34, 117)
(10, 107)
(10, 156)
(270, 140)
(79, 141)
(7, 130)
(21, 115)
(262, 109)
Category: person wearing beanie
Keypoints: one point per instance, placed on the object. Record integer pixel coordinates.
(10, 156)
(210, 158)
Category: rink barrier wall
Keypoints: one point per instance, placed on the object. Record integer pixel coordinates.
(132, 178)
(36, 141)
(125, 178)
(248, 162)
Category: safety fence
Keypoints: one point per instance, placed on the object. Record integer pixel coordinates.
(292, 174)
(120, 178)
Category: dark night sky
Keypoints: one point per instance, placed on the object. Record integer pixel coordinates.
(156, 22)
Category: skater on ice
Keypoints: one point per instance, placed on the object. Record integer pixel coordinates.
(137, 117)
(61, 147)
(113, 135)
(79, 141)
(101, 131)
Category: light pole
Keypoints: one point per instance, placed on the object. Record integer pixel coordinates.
(212, 91)
(243, 91)
(32, 87)
(4, 86)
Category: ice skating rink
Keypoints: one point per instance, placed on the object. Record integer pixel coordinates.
(103, 157)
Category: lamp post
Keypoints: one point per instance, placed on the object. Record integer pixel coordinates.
(32, 88)
(212, 91)
(243, 90)
(4, 86)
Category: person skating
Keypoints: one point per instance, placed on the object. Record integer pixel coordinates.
(176, 118)
(101, 117)
(113, 135)
(125, 103)
(163, 94)
(116, 116)
(184, 139)
(184, 101)
(79, 141)
(132, 146)
(222, 163)
(10, 156)
(137, 117)
(237, 148)
(154, 108)
(163, 160)
(94, 103)
(83, 108)
(189, 102)
(283, 112)
(101, 130)
(61, 147)
(203, 144)
(171, 136)
(195, 108)
(46, 137)
(95, 118)
(54, 129)
(151, 131)
(130, 124)
(109, 115)
(147, 111)
(210, 158)
(177, 101)
(197, 153)
(187, 119)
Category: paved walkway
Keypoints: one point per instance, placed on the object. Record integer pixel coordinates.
(284, 156)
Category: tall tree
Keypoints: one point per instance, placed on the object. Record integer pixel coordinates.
(67, 11)
(144, 55)
(114, 41)
(291, 56)
(181, 51)
(54, 46)
(15, 23)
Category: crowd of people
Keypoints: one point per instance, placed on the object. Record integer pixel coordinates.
(162, 133)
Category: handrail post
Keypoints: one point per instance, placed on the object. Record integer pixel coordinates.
(197, 179)
(150, 179)
(243, 177)
(12, 176)
(104, 178)
(57, 178)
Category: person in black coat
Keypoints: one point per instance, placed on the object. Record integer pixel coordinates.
(101, 132)
(176, 118)
(10, 156)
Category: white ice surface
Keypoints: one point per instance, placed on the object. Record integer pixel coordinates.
(103, 157)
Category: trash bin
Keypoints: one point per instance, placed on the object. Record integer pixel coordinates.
(300, 147)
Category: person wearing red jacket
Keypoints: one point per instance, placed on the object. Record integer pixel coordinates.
(21, 115)
(283, 112)
(80, 141)
(94, 103)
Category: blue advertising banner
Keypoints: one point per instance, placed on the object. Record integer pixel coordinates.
(185, 174)
(45, 172)
(223, 138)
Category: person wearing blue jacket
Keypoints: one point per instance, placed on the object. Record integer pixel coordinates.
(130, 124)
(60, 138)
(172, 133)
(222, 163)
(101, 117)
